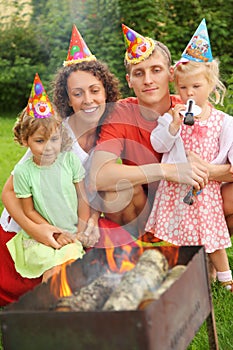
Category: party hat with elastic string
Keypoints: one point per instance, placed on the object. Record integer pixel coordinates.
(39, 105)
(138, 48)
(78, 49)
(198, 49)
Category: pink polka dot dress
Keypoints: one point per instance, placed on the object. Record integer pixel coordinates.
(203, 222)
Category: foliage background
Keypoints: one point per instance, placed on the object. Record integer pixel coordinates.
(39, 42)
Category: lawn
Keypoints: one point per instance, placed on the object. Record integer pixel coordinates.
(222, 300)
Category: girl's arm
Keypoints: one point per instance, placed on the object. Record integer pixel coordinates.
(30, 212)
(41, 232)
(164, 136)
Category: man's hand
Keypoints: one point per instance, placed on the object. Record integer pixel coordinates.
(194, 174)
(90, 236)
(216, 172)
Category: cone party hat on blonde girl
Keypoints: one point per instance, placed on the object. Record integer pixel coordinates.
(198, 48)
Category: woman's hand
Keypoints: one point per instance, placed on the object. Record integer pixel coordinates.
(47, 234)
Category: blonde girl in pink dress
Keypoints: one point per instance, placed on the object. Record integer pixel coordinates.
(199, 219)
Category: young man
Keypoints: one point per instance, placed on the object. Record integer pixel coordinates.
(127, 188)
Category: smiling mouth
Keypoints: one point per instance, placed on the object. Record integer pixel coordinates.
(90, 110)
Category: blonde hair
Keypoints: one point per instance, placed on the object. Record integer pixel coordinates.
(26, 126)
(211, 72)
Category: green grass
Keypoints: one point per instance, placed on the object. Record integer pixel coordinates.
(222, 300)
(10, 151)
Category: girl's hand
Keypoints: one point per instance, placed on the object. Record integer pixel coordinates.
(177, 118)
(91, 235)
(64, 238)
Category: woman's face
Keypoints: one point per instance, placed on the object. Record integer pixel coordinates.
(87, 96)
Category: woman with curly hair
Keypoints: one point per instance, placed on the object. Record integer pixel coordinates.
(84, 91)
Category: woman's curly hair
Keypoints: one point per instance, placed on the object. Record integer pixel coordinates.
(99, 70)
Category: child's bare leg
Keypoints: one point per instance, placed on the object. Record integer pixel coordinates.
(212, 270)
(227, 196)
(220, 261)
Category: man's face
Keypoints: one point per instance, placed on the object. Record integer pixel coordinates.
(149, 79)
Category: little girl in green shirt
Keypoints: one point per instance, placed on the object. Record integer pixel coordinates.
(50, 185)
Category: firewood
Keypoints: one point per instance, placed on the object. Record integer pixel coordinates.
(148, 274)
(172, 276)
(91, 297)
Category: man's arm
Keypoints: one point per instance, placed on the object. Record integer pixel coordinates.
(107, 175)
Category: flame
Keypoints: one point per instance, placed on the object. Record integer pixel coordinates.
(65, 290)
(125, 259)
(59, 285)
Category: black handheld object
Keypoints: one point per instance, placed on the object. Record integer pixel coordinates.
(188, 199)
(189, 119)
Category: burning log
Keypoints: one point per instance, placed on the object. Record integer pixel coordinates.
(148, 274)
(150, 296)
(91, 297)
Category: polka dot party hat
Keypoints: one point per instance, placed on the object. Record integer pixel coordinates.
(138, 48)
(78, 50)
(198, 49)
(39, 105)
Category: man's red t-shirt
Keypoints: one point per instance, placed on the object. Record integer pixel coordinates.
(127, 134)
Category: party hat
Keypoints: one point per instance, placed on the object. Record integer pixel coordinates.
(39, 105)
(198, 49)
(138, 48)
(78, 50)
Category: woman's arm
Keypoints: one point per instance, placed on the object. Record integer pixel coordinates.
(41, 232)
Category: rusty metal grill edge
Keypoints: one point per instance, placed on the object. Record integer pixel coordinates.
(169, 323)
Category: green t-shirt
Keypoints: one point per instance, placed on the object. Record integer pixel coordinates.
(52, 188)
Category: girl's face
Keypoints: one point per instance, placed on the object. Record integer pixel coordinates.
(44, 150)
(194, 86)
(87, 96)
